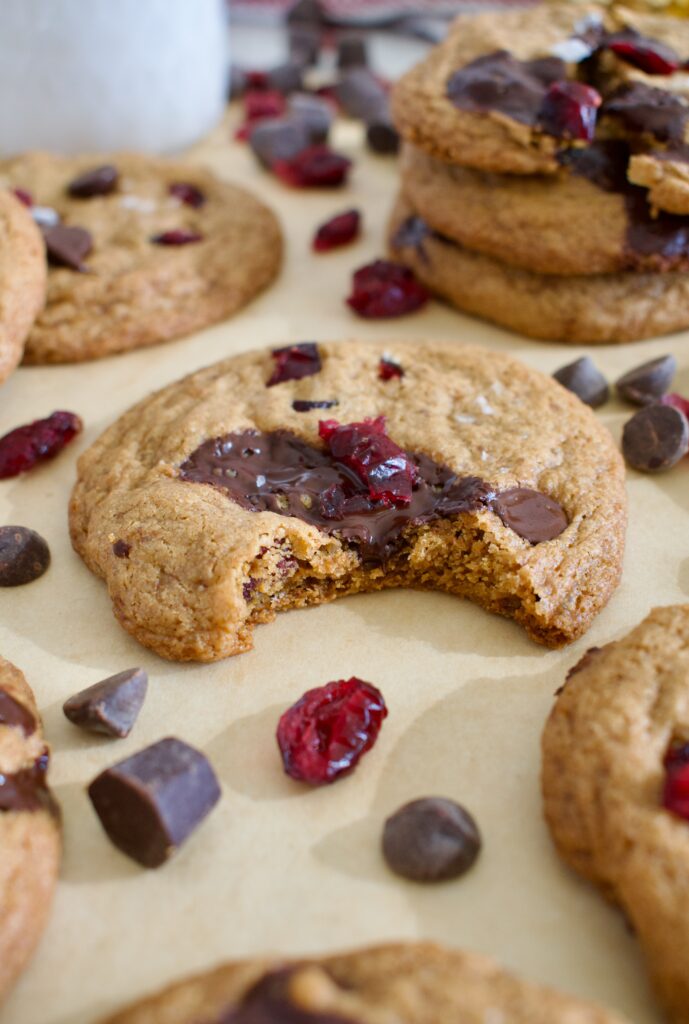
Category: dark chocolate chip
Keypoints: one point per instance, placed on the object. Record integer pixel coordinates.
(304, 44)
(644, 109)
(121, 549)
(648, 382)
(586, 381)
(150, 803)
(14, 713)
(655, 438)
(100, 181)
(67, 246)
(381, 134)
(316, 114)
(431, 840)
(286, 78)
(306, 12)
(24, 556)
(531, 514)
(352, 52)
(499, 82)
(278, 139)
(110, 707)
(360, 94)
(303, 405)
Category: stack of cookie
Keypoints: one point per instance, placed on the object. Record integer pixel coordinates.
(545, 173)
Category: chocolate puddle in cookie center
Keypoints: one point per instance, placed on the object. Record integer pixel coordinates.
(278, 472)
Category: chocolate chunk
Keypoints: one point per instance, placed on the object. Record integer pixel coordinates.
(303, 405)
(531, 514)
(360, 94)
(655, 438)
(648, 382)
(278, 139)
(352, 52)
(286, 78)
(101, 181)
(14, 713)
(110, 707)
(121, 549)
(381, 135)
(67, 246)
(499, 82)
(304, 44)
(27, 789)
(150, 803)
(643, 109)
(603, 163)
(586, 381)
(431, 840)
(24, 556)
(306, 12)
(269, 1001)
(315, 113)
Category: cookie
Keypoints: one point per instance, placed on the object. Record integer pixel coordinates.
(232, 494)
(29, 826)
(512, 94)
(405, 983)
(608, 750)
(580, 309)
(151, 250)
(666, 178)
(587, 220)
(22, 279)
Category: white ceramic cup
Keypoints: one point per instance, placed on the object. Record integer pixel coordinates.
(108, 74)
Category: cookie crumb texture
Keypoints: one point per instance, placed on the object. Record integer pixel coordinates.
(22, 279)
(29, 828)
(406, 983)
(133, 291)
(202, 571)
(603, 776)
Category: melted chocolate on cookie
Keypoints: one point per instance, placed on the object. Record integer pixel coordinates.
(643, 109)
(502, 84)
(278, 472)
(27, 790)
(268, 1002)
(13, 712)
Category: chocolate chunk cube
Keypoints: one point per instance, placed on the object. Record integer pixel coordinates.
(648, 382)
(150, 803)
(110, 707)
(381, 135)
(584, 379)
(67, 246)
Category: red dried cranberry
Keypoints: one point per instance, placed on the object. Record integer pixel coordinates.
(23, 196)
(382, 465)
(676, 791)
(187, 193)
(257, 80)
(178, 236)
(260, 104)
(23, 447)
(388, 369)
(677, 401)
(314, 167)
(569, 110)
(648, 55)
(323, 736)
(339, 230)
(384, 289)
(676, 756)
(294, 362)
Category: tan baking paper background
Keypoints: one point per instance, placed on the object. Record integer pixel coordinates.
(278, 866)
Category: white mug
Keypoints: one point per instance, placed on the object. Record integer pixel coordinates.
(88, 75)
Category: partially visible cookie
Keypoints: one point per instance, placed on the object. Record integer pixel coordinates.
(586, 309)
(621, 716)
(29, 826)
(412, 983)
(230, 495)
(154, 249)
(22, 279)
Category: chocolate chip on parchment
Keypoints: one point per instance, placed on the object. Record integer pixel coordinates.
(655, 438)
(110, 707)
(67, 246)
(150, 803)
(648, 382)
(316, 113)
(585, 380)
(360, 94)
(286, 78)
(431, 840)
(100, 181)
(278, 139)
(381, 135)
(24, 556)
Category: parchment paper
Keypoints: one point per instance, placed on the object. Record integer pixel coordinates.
(278, 866)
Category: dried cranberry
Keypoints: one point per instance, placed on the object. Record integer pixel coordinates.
(259, 104)
(294, 362)
(676, 756)
(23, 196)
(314, 167)
(385, 468)
(339, 230)
(23, 447)
(388, 369)
(648, 55)
(677, 401)
(569, 110)
(676, 791)
(178, 236)
(323, 736)
(187, 193)
(257, 80)
(384, 289)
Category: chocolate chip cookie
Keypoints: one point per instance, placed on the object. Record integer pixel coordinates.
(29, 826)
(616, 787)
(141, 250)
(586, 309)
(22, 279)
(284, 478)
(404, 983)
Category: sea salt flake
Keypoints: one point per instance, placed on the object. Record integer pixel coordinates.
(484, 405)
